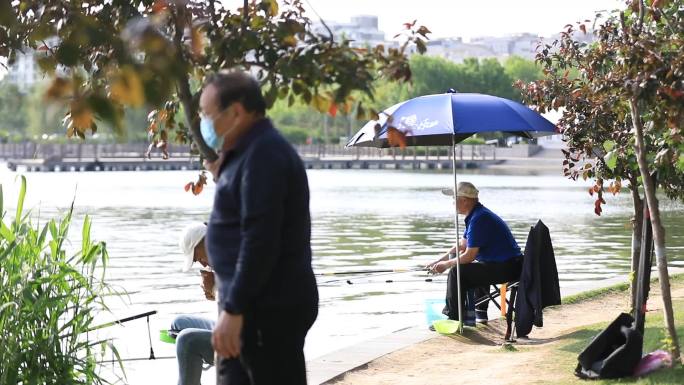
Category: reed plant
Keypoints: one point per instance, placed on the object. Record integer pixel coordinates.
(49, 298)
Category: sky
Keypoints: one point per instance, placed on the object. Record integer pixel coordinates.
(459, 18)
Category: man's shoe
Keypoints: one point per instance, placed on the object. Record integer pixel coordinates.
(481, 320)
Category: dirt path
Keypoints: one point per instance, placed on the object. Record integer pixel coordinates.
(477, 357)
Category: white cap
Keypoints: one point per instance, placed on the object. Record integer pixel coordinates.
(191, 236)
(465, 189)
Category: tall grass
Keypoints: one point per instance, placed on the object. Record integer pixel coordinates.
(48, 300)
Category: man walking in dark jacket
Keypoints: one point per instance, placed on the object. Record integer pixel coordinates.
(258, 238)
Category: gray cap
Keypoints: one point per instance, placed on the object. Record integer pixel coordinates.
(465, 189)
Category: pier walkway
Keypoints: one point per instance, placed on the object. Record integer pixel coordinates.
(31, 156)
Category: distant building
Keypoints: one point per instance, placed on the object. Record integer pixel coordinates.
(25, 72)
(502, 47)
(361, 30)
(454, 49)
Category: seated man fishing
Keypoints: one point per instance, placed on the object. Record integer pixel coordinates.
(193, 342)
(488, 255)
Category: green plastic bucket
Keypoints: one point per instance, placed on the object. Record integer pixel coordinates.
(164, 336)
(446, 326)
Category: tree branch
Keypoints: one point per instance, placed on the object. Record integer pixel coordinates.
(245, 17)
(332, 37)
(642, 12)
(212, 14)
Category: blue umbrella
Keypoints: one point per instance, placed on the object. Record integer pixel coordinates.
(433, 120)
(447, 119)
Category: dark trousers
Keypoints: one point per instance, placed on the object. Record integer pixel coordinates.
(478, 275)
(272, 348)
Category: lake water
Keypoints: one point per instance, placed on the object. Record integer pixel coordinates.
(362, 219)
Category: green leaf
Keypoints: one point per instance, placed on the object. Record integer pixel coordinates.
(608, 145)
(611, 159)
(20, 201)
(680, 164)
(5, 232)
(102, 107)
(85, 236)
(67, 54)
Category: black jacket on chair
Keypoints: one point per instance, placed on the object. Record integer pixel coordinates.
(538, 286)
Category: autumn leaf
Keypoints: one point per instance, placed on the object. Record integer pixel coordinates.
(410, 25)
(197, 187)
(197, 42)
(332, 111)
(81, 116)
(290, 41)
(127, 88)
(59, 88)
(657, 4)
(396, 138)
(159, 5)
(152, 129)
(272, 7)
(320, 103)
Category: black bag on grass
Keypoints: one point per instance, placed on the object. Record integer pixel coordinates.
(613, 353)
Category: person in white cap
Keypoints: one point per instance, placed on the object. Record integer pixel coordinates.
(488, 251)
(192, 245)
(193, 341)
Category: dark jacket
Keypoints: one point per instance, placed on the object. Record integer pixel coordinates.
(259, 233)
(538, 281)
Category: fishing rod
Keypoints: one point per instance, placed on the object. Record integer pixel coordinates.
(124, 320)
(128, 319)
(353, 281)
(371, 271)
(113, 361)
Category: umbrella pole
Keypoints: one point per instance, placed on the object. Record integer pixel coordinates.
(458, 237)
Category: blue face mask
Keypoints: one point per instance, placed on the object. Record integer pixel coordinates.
(209, 134)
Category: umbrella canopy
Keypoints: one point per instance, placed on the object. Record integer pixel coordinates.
(441, 119)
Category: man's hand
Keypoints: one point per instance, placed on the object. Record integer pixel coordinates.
(208, 284)
(213, 167)
(441, 267)
(431, 266)
(226, 335)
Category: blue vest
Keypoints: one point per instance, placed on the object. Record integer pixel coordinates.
(486, 230)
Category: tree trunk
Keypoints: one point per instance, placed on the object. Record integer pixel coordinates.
(638, 204)
(658, 230)
(185, 95)
(192, 116)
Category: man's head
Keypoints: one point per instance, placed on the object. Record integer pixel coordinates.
(466, 197)
(192, 244)
(230, 102)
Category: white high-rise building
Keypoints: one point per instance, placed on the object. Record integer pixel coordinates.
(361, 30)
(24, 72)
